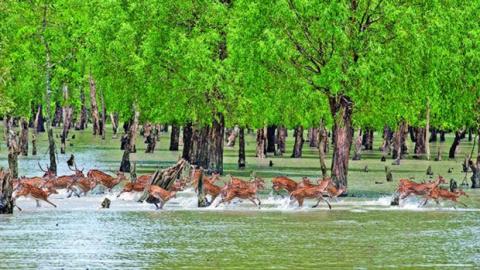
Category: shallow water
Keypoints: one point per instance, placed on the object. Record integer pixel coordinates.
(356, 233)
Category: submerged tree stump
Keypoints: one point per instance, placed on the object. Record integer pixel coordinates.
(202, 200)
(165, 179)
(6, 190)
(106, 203)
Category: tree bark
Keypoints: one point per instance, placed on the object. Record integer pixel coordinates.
(35, 131)
(323, 141)
(232, 137)
(125, 165)
(420, 147)
(114, 119)
(241, 148)
(103, 121)
(93, 103)
(261, 143)
(187, 142)
(367, 139)
(433, 136)
(149, 135)
(341, 108)
(427, 129)
(57, 119)
(313, 137)
(475, 167)
(399, 141)
(13, 148)
(271, 139)
(411, 130)
(174, 137)
(281, 139)
(67, 118)
(442, 136)
(82, 123)
(358, 146)
(456, 142)
(199, 146)
(298, 145)
(215, 145)
(24, 137)
(6, 191)
(48, 70)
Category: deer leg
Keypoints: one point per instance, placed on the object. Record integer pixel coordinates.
(162, 203)
(50, 203)
(156, 205)
(328, 203)
(300, 202)
(253, 201)
(422, 204)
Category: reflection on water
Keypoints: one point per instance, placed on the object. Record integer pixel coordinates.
(132, 235)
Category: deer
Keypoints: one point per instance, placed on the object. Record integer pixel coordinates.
(315, 191)
(106, 180)
(196, 175)
(161, 194)
(84, 184)
(439, 193)
(408, 187)
(137, 186)
(34, 192)
(284, 183)
(246, 190)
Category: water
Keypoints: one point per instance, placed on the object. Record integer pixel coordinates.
(357, 233)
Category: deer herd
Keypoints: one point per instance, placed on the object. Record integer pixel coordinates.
(40, 188)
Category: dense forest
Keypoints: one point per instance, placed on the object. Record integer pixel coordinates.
(215, 69)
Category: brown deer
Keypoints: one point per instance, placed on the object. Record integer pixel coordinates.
(34, 192)
(84, 184)
(47, 173)
(106, 180)
(408, 187)
(137, 186)
(439, 193)
(284, 183)
(161, 194)
(242, 190)
(313, 192)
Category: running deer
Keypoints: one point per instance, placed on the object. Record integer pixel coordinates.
(137, 186)
(34, 192)
(105, 179)
(408, 187)
(438, 193)
(83, 184)
(284, 183)
(245, 190)
(161, 194)
(313, 192)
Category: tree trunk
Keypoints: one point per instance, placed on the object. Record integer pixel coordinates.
(125, 165)
(174, 138)
(114, 120)
(6, 191)
(271, 139)
(475, 167)
(215, 144)
(48, 70)
(67, 118)
(232, 137)
(341, 108)
(202, 200)
(199, 146)
(82, 123)
(358, 146)
(313, 137)
(411, 130)
(187, 142)
(420, 147)
(34, 131)
(456, 142)
(433, 135)
(470, 132)
(261, 143)
(442, 136)
(149, 135)
(103, 121)
(323, 141)
(57, 118)
(399, 141)
(367, 139)
(427, 129)
(281, 139)
(93, 103)
(298, 145)
(24, 137)
(241, 148)
(13, 148)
